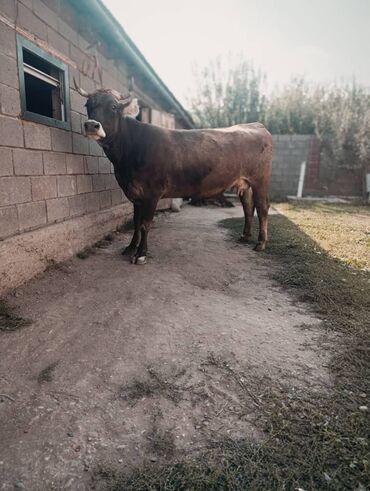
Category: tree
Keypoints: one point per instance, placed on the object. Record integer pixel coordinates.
(342, 123)
(228, 92)
(290, 110)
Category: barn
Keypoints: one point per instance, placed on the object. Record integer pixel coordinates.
(58, 193)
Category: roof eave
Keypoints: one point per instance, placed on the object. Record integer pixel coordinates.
(123, 41)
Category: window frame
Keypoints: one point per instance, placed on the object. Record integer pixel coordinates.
(23, 43)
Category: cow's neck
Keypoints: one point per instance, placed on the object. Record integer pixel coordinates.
(119, 147)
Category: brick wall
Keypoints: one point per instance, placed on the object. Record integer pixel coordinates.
(49, 175)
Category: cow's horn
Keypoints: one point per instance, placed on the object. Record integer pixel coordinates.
(79, 90)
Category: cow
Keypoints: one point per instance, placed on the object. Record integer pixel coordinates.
(151, 163)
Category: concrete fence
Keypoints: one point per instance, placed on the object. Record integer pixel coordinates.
(289, 152)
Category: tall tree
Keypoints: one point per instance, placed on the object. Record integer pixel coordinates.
(228, 91)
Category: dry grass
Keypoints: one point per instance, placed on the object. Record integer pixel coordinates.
(343, 230)
(312, 441)
(152, 386)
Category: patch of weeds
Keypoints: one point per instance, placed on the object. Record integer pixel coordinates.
(85, 253)
(9, 321)
(46, 374)
(155, 386)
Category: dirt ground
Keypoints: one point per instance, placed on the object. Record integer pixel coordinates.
(128, 364)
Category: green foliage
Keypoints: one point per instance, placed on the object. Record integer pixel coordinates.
(233, 91)
(228, 93)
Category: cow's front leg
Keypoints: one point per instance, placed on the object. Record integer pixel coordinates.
(131, 248)
(147, 213)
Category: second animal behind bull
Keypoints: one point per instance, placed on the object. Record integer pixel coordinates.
(151, 163)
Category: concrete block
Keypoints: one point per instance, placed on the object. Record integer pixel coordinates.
(105, 198)
(67, 32)
(111, 181)
(104, 165)
(54, 163)
(9, 71)
(53, 5)
(37, 136)
(28, 20)
(11, 132)
(86, 82)
(92, 165)
(61, 140)
(45, 14)
(92, 202)
(8, 221)
(98, 182)
(27, 162)
(75, 164)
(77, 102)
(57, 209)
(9, 101)
(80, 144)
(8, 8)
(43, 187)
(32, 215)
(14, 190)
(76, 122)
(7, 41)
(66, 185)
(27, 3)
(6, 162)
(77, 204)
(95, 148)
(117, 197)
(84, 184)
(57, 41)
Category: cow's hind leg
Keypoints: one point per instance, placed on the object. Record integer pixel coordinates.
(131, 248)
(262, 205)
(147, 214)
(246, 198)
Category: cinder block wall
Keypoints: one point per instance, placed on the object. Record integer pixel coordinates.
(289, 152)
(50, 176)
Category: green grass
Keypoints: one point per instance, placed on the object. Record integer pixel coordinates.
(312, 440)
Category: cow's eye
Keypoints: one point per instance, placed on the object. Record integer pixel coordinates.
(114, 107)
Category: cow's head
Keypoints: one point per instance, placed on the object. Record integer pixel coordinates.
(105, 107)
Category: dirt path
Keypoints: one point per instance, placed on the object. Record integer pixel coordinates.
(125, 364)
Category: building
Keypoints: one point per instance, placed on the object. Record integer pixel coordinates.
(57, 190)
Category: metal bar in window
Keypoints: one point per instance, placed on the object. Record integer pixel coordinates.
(41, 75)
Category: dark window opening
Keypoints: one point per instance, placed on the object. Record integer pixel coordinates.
(44, 86)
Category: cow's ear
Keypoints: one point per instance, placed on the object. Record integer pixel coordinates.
(132, 109)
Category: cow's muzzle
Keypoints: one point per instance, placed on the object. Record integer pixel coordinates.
(94, 129)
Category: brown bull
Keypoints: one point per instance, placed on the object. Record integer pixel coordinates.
(151, 163)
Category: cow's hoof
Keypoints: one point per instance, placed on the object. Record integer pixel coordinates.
(127, 251)
(260, 246)
(244, 239)
(138, 260)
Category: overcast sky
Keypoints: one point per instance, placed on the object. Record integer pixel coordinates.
(324, 40)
